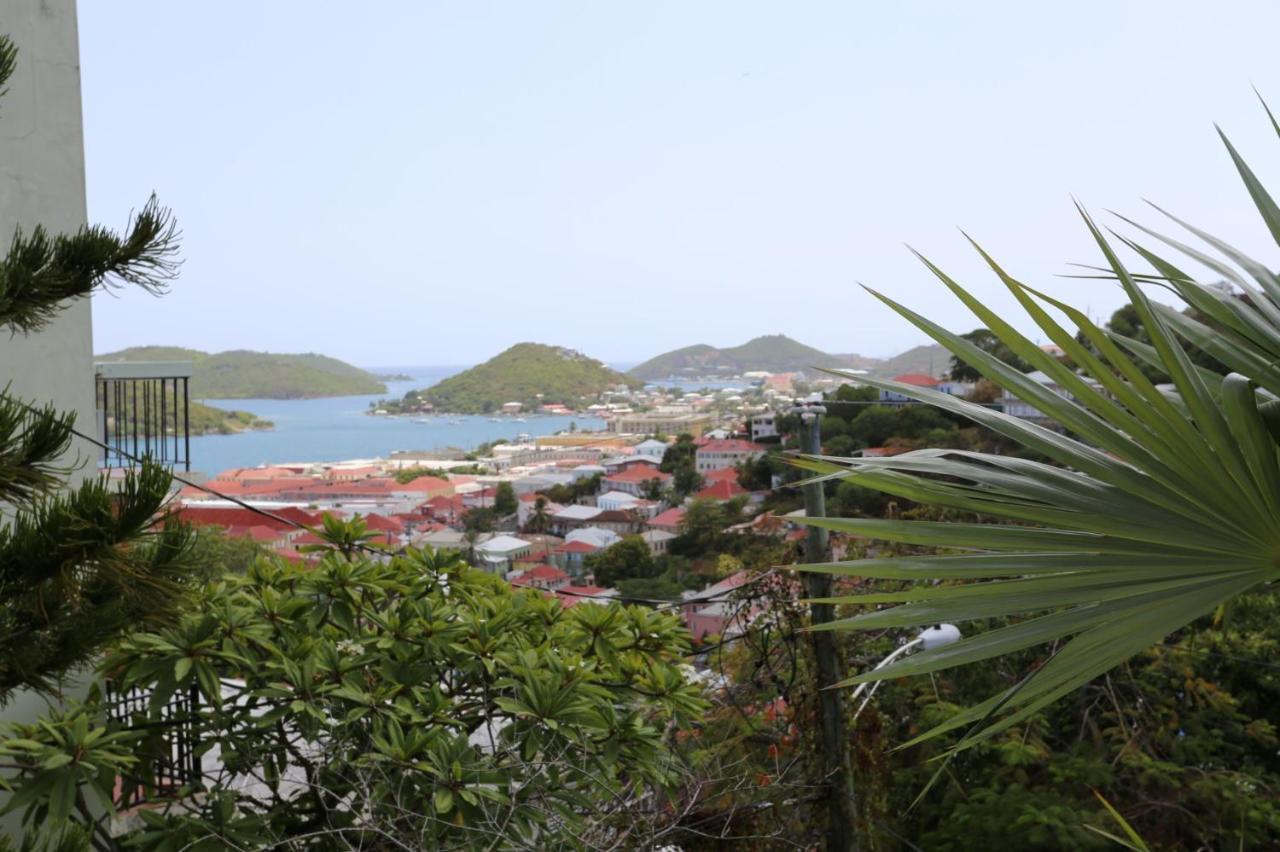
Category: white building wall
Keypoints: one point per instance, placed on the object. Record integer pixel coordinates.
(42, 182)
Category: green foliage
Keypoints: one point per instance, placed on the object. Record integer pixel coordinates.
(521, 374)
(408, 474)
(79, 566)
(208, 420)
(212, 553)
(504, 500)
(984, 339)
(680, 460)
(408, 703)
(628, 559)
(241, 374)
(1157, 509)
(41, 272)
(539, 519)
(570, 493)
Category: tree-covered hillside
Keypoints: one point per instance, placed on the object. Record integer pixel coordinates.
(521, 374)
(775, 353)
(241, 374)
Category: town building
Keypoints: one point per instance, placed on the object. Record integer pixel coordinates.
(657, 423)
(725, 453)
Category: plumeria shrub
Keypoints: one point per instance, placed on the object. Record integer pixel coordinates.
(405, 701)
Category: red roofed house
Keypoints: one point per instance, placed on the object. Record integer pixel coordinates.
(720, 491)
(574, 595)
(724, 453)
(716, 610)
(569, 555)
(544, 577)
(669, 521)
(632, 479)
(919, 380)
(286, 518)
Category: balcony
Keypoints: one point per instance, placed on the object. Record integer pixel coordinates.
(143, 409)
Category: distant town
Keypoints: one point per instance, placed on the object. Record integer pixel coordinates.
(543, 511)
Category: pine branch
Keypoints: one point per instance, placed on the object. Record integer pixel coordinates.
(31, 442)
(41, 272)
(8, 61)
(79, 569)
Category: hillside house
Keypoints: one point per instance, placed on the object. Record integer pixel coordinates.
(725, 453)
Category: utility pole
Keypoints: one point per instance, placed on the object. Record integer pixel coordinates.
(833, 739)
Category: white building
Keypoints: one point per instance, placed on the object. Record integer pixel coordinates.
(616, 500)
(764, 426)
(1019, 408)
(725, 452)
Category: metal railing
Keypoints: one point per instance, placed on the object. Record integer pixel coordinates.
(168, 765)
(144, 409)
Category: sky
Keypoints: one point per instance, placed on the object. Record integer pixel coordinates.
(402, 183)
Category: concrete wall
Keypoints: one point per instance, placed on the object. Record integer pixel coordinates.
(42, 182)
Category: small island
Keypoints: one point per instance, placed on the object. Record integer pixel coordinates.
(207, 420)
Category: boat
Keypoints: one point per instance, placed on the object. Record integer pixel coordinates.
(495, 419)
(455, 422)
(521, 420)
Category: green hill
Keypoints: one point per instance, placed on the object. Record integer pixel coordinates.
(520, 374)
(241, 374)
(932, 360)
(775, 353)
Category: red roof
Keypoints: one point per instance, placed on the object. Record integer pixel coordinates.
(613, 516)
(576, 547)
(227, 516)
(542, 572)
(721, 490)
(638, 473)
(727, 473)
(669, 518)
(257, 533)
(731, 445)
(917, 379)
(375, 521)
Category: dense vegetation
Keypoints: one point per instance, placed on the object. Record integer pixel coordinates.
(241, 374)
(409, 703)
(528, 373)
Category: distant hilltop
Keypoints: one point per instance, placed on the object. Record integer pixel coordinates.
(777, 353)
(531, 374)
(241, 374)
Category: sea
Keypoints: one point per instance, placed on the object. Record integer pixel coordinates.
(340, 428)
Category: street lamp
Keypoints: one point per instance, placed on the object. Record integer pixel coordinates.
(929, 638)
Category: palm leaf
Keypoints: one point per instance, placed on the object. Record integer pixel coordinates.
(1156, 507)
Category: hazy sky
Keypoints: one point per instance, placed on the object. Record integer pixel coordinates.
(428, 183)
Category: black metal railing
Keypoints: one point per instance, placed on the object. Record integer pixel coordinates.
(168, 764)
(144, 410)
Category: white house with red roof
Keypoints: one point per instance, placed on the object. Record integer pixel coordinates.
(633, 480)
(718, 454)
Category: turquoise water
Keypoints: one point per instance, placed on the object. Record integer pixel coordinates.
(338, 428)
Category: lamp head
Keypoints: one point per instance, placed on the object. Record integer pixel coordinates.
(939, 635)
